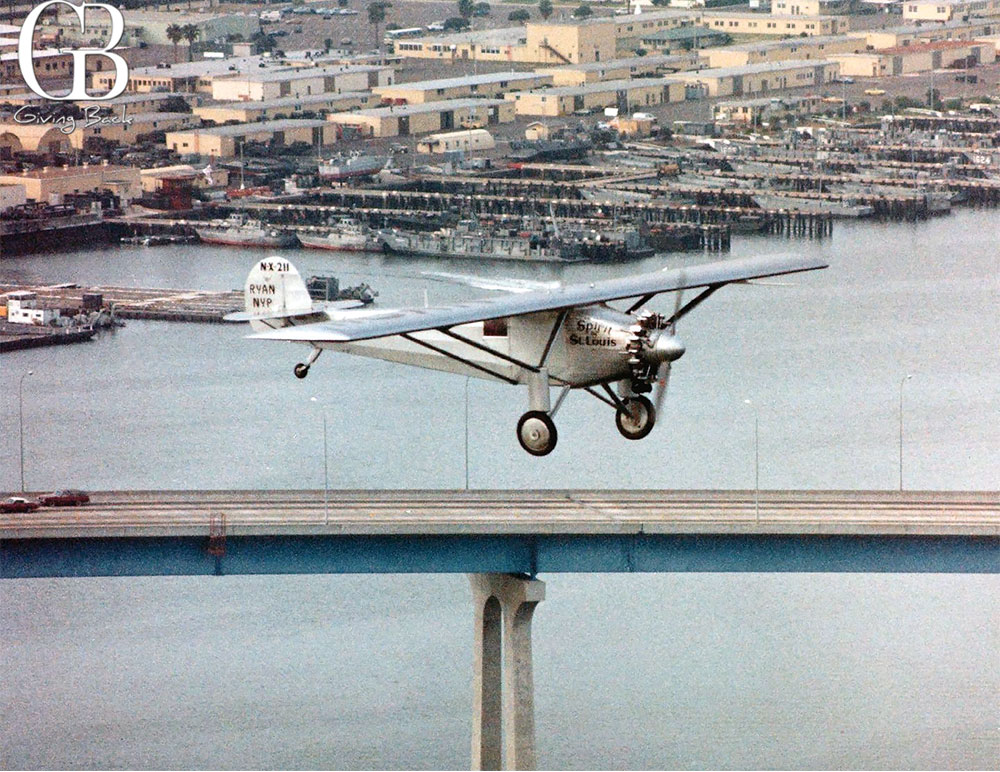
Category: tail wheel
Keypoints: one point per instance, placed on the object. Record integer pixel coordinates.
(640, 419)
(537, 433)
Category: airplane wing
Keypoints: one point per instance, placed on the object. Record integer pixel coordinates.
(516, 286)
(571, 296)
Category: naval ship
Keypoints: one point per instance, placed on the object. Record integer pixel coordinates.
(468, 239)
(240, 230)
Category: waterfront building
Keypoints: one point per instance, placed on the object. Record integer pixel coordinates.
(626, 95)
(404, 120)
(226, 141)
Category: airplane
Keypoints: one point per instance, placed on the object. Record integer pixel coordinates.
(539, 335)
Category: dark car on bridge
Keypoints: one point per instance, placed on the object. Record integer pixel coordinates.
(67, 498)
(18, 504)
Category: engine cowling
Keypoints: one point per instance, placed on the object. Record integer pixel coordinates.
(662, 347)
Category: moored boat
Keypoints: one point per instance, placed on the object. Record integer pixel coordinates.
(242, 231)
(347, 235)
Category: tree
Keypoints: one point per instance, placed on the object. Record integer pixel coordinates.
(264, 41)
(465, 8)
(175, 34)
(519, 15)
(456, 23)
(327, 44)
(582, 11)
(481, 9)
(545, 8)
(342, 3)
(376, 15)
(191, 34)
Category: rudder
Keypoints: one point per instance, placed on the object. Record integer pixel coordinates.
(274, 290)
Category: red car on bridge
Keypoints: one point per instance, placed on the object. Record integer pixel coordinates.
(68, 498)
(18, 504)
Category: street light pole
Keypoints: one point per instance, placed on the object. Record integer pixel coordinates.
(901, 383)
(756, 460)
(20, 420)
(467, 379)
(326, 477)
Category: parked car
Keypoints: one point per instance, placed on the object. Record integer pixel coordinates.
(18, 504)
(67, 498)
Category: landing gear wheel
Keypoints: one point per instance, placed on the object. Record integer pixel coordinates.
(301, 370)
(639, 422)
(536, 433)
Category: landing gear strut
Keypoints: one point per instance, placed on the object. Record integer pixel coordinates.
(302, 368)
(537, 433)
(640, 418)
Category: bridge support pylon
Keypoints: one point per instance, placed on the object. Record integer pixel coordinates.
(503, 708)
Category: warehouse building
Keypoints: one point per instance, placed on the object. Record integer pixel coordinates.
(927, 33)
(819, 47)
(774, 24)
(761, 78)
(948, 10)
(493, 85)
(618, 69)
(920, 57)
(286, 107)
(132, 131)
(625, 95)
(264, 84)
(404, 120)
(226, 141)
(52, 182)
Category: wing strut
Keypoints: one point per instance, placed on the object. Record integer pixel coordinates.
(449, 355)
(552, 336)
(692, 304)
(524, 365)
(461, 338)
(640, 302)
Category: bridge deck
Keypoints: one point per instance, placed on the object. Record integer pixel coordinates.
(266, 532)
(409, 512)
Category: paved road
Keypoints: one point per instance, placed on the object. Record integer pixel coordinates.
(186, 513)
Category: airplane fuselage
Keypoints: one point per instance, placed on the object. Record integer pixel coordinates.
(589, 347)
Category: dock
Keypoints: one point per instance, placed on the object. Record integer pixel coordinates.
(173, 305)
(16, 337)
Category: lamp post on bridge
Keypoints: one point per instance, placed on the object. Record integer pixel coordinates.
(467, 379)
(20, 420)
(326, 467)
(902, 382)
(756, 459)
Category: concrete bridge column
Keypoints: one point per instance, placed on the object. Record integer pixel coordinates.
(503, 685)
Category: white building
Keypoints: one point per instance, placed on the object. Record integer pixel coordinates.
(22, 308)
(451, 141)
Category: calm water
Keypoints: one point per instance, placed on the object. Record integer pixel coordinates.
(637, 671)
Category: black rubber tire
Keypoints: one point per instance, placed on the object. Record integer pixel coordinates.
(632, 430)
(540, 440)
(301, 370)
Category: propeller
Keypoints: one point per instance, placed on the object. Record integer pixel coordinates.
(674, 351)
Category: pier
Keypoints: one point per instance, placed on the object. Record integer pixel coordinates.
(138, 303)
(504, 540)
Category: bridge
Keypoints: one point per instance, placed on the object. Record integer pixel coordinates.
(503, 540)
